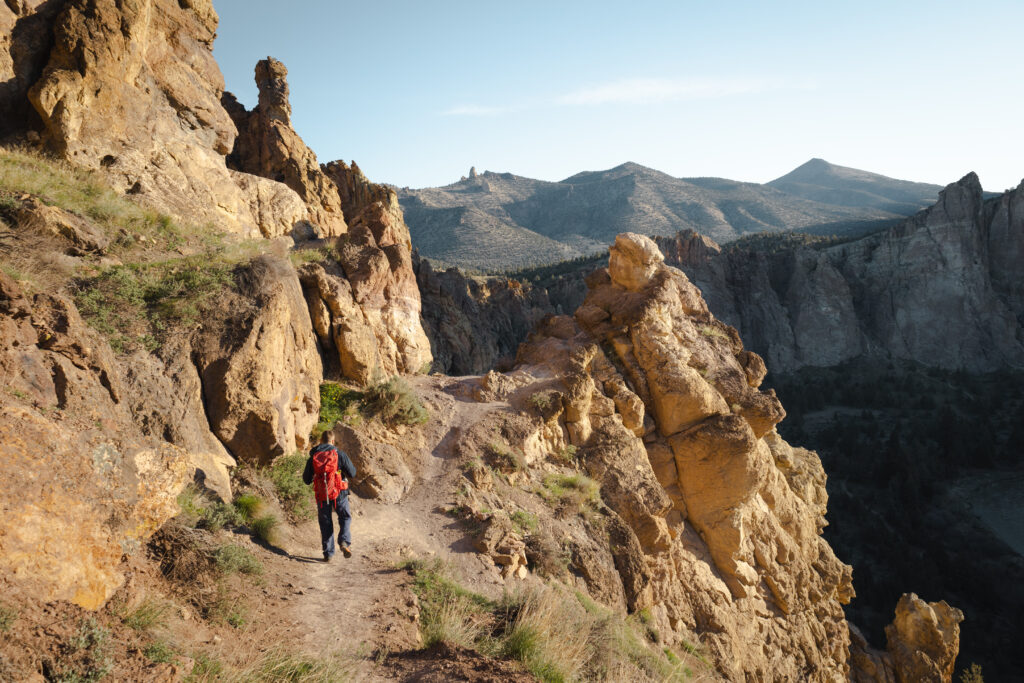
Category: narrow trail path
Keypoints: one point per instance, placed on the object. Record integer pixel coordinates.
(364, 604)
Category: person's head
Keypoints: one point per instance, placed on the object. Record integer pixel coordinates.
(327, 437)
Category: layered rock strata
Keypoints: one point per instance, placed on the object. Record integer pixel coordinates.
(722, 518)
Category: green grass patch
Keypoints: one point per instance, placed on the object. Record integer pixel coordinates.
(248, 506)
(149, 614)
(206, 668)
(338, 403)
(524, 522)
(137, 305)
(575, 492)
(234, 558)
(265, 528)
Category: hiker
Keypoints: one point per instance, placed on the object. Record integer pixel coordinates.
(324, 470)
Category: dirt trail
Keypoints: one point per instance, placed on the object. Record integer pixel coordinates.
(363, 604)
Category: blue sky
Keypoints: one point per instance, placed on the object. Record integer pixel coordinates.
(416, 92)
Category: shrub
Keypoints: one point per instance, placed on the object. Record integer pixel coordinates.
(200, 511)
(8, 615)
(566, 454)
(972, 675)
(337, 404)
(505, 458)
(295, 496)
(540, 401)
(524, 522)
(545, 555)
(234, 558)
(87, 656)
(395, 402)
(158, 652)
(265, 528)
(713, 332)
(571, 492)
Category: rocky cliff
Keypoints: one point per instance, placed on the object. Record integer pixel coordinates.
(476, 323)
(154, 389)
(716, 520)
(941, 289)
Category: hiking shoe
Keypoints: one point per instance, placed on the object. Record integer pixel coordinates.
(346, 550)
(327, 558)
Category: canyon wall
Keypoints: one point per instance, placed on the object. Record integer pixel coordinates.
(942, 288)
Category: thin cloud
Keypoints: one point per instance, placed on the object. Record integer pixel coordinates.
(474, 110)
(656, 90)
(640, 91)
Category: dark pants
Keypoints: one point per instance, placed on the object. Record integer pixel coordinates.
(325, 516)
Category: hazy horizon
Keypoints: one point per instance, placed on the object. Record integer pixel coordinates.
(418, 94)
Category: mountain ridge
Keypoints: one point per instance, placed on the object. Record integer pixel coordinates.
(530, 222)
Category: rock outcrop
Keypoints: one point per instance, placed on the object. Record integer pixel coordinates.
(923, 640)
(943, 289)
(82, 485)
(721, 517)
(132, 88)
(25, 41)
(267, 146)
(259, 365)
(364, 302)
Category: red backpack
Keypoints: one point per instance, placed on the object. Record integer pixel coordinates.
(327, 480)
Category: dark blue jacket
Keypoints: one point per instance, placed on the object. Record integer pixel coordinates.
(345, 465)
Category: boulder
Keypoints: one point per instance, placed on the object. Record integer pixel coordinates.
(259, 365)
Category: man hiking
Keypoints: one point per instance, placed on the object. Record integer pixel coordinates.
(324, 471)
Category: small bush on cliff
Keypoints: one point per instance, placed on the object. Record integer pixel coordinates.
(395, 402)
(8, 615)
(295, 496)
(86, 657)
(338, 403)
(572, 493)
(234, 558)
(505, 458)
(972, 675)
